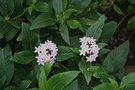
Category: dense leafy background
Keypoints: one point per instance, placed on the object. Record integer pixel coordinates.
(24, 24)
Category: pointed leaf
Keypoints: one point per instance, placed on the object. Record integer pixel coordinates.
(60, 80)
(131, 23)
(84, 67)
(116, 59)
(43, 20)
(64, 33)
(57, 5)
(127, 80)
(108, 31)
(24, 85)
(96, 29)
(6, 7)
(6, 66)
(64, 53)
(29, 38)
(117, 9)
(23, 57)
(104, 86)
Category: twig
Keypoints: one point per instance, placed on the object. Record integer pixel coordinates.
(124, 18)
(64, 67)
(25, 10)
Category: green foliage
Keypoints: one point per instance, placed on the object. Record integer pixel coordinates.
(108, 33)
(64, 33)
(7, 67)
(7, 7)
(96, 29)
(117, 9)
(64, 53)
(84, 67)
(25, 24)
(127, 80)
(23, 57)
(64, 79)
(43, 20)
(132, 1)
(29, 38)
(131, 23)
(72, 86)
(116, 59)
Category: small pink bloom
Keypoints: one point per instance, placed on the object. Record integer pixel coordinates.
(46, 52)
(89, 48)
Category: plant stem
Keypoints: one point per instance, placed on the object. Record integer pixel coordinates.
(64, 67)
(124, 18)
(25, 10)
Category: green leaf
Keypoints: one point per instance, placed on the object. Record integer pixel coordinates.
(104, 86)
(96, 29)
(10, 35)
(108, 31)
(1, 35)
(68, 13)
(84, 67)
(64, 4)
(43, 7)
(130, 87)
(33, 89)
(31, 8)
(60, 80)
(6, 66)
(102, 75)
(72, 86)
(2, 18)
(127, 80)
(32, 75)
(6, 7)
(5, 28)
(73, 24)
(104, 51)
(29, 38)
(131, 23)
(23, 57)
(132, 1)
(10, 88)
(64, 53)
(80, 5)
(117, 9)
(116, 59)
(18, 9)
(43, 20)
(114, 83)
(2, 81)
(64, 33)
(47, 67)
(57, 6)
(101, 45)
(42, 79)
(24, 85)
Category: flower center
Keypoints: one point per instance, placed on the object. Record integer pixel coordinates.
(89, 44)
(89, 54)
(48, 51)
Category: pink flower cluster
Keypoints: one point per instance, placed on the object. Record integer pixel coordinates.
(46, 52)
(89, 48)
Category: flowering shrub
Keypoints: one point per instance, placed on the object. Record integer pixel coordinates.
(65, 44)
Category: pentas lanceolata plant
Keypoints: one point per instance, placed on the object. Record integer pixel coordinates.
(48, 50)
(91, 64)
